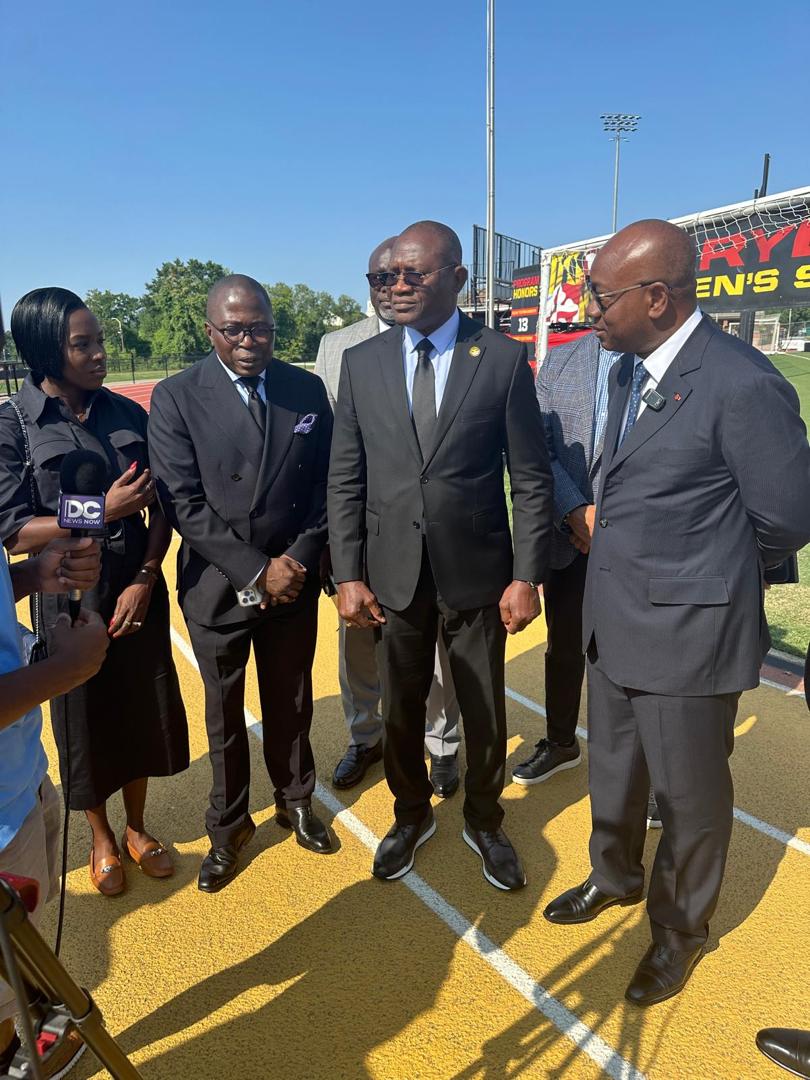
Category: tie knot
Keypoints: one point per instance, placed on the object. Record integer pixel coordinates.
(424, 348)
(251, 382)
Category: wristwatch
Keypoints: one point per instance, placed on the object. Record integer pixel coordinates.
(531, 584)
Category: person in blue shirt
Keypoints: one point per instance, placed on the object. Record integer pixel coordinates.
(29, 805)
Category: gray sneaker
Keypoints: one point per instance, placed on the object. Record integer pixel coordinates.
(653, 813)
(548, 758)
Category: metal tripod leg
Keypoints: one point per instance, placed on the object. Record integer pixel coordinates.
(41, 967)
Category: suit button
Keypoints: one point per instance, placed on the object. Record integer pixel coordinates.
(603, 522)
(290, 540)
(416, 524)
(235, 476)
(424, 479)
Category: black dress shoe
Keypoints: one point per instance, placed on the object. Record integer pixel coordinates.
(662, 974)
(502, 867)
(444, 774)
(352, 766)
(395, 854)
(583, 903)
(788, 1047)
(220, 864)
(309, 831)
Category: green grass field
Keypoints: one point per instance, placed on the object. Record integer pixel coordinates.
(788, 606)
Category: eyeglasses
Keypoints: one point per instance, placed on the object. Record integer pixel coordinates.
(384, 280)
(260, 332)
(600, 298)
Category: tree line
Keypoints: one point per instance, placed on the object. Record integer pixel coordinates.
(167, 320)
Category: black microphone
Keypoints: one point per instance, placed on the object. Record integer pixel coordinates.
(83, 480)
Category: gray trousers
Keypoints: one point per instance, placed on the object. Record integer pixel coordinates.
(360, 693)
(680, 746)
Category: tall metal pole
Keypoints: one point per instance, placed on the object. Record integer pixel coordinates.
(616, 184)
(491, 163)
(618, 125)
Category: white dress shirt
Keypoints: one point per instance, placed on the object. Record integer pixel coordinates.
(384, 325)
(443, 341)
(660, 359)
(242, 390)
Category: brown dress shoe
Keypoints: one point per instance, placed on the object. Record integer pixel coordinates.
(154, 860)
(662, 974)
(107, 874)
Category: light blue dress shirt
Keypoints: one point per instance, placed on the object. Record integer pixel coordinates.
(244, 393)
(22, 760)
(443, 341)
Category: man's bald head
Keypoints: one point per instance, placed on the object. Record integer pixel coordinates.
(643, 286)
(653, 250)
(380, 295)
(441, 238)
(232, 288)
(240, 325)
(381, 255)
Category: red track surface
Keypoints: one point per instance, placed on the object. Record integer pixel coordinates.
(140, 392)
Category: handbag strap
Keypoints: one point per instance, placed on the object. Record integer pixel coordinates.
(29, 464)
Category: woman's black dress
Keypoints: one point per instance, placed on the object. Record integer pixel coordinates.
(129, 720)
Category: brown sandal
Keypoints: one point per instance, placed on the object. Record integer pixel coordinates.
(107, 875)
(155, 860)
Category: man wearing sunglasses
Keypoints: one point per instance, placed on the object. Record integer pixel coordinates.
(419, 528)
(359, 678)
(705, 483)
(241, 450)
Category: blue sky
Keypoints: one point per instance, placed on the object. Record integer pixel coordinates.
(285, 139)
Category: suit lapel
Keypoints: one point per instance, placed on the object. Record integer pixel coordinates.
(227, 409)
(467, 355)
(392, 371)
(281, 420)
(674, 388)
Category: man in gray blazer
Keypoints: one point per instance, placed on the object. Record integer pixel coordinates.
(357, 664)
(572, 391)
(706, 482)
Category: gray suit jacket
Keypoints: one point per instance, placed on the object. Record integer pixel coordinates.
(566, 392)
(701, 495)
(332, 348)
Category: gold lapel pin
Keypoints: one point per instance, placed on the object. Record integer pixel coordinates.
(474, 350)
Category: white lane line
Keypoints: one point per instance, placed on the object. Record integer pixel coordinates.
(566, 1022)
(764, 827)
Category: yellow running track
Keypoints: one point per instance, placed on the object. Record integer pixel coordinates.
(306, 967)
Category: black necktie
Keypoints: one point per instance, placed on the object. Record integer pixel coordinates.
(256, 406)
(424, 396)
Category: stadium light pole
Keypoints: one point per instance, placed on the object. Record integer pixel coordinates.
(491, 163)
(617, 124)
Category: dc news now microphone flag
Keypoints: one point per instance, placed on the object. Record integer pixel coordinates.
(83, 480)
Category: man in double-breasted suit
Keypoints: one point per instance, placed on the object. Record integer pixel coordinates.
(572, 392)
(418, 528)
(241, 450)
(358, 675)
(705, 483)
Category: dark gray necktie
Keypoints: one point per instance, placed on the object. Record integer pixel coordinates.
(424, 396)
(256, 406)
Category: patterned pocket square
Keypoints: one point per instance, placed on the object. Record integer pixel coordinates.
(305, 424)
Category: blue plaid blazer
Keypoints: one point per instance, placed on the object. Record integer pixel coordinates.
(573, 397)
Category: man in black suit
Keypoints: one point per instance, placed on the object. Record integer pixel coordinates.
(706, 481)
(240, 445)
(418, 528)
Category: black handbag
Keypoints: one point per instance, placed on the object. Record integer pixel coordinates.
(38, 649)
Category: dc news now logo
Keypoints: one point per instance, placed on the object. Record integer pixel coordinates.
(84, 512)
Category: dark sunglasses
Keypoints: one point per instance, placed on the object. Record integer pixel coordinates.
(384, 280)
